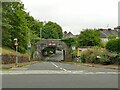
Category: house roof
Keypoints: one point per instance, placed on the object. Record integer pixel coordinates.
(105, 32)
(68, 35)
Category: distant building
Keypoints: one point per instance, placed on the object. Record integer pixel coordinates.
(104, 33)
(68, 35)
(118, 29)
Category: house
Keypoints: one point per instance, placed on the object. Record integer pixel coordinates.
(68, 35)
(104, 33)
(118, 29)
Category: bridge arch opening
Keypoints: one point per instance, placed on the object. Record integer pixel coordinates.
(50, 47)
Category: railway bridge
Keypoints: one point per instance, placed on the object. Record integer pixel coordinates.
(55, 44)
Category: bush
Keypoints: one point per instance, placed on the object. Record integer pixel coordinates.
(90, 56)
(113, 45)
(105, 61)
(115, 59)
(99, 56)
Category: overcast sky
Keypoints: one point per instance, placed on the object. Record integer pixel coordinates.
(75, 15)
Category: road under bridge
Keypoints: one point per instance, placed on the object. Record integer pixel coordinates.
(45, 46)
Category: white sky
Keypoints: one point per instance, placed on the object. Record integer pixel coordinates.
(75, 15)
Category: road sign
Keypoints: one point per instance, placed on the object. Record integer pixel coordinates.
(16, 44)
(29, 46)
(73, 48)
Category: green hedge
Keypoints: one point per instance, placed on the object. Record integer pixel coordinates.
(113, 45)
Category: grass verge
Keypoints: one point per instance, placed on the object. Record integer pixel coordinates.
(9, 66)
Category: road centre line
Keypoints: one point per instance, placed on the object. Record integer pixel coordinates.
(54, 64)
(57, 66)
(64, 69)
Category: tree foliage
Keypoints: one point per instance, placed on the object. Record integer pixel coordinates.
(89, 37)
(52, 30)
(111, 36)
(113, 45)
(16, 23)
(70, 41)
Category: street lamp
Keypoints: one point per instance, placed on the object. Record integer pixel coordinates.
(16, 44)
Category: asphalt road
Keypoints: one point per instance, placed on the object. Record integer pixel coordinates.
(57, 57)
(59, 75)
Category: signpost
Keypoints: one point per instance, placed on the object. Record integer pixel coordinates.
(29, 48)
(73, 48)
(16, 44)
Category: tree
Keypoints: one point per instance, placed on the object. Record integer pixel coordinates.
(14, 25)
(52, 31)
(113, 45)
(89, 37)
(111, 36)
(70, 41)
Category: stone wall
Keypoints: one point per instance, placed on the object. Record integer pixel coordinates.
(10, 59)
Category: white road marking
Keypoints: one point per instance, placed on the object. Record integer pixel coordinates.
(54, 64)
(61, 68)
(57, 66)
(64, 69)
(100, 72)
(37, 72)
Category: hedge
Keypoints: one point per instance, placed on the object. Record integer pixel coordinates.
(113, 45)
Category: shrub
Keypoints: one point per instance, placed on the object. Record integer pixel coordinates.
(113, 45)
(105, 61)
(115, 58)
(90, 56)
(105, 57)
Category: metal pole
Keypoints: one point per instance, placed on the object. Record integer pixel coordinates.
(29, 46)
(16, 55)
(29, 55)
(40, 33)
